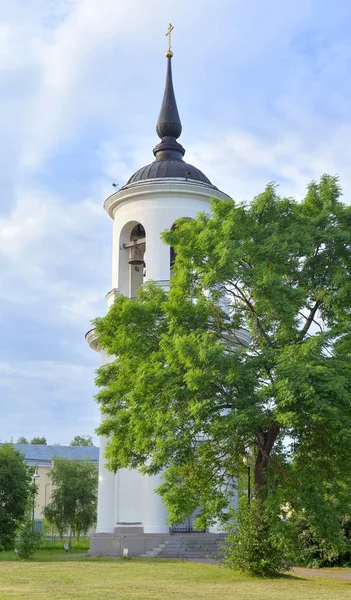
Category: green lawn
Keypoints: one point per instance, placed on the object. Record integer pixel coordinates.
(61, 578)
(49, 550)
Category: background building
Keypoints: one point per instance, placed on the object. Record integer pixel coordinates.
(41, 458)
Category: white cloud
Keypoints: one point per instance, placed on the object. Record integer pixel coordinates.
(87, 62)
(42, 370)
(52, 245)
(241, 164)
(50, 398)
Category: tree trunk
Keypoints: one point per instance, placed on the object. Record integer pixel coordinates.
(265, 443)
(260, 467)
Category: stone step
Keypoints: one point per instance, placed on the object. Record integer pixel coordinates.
(192, 547)
(198, 553)
(194, 544)
(186, 556)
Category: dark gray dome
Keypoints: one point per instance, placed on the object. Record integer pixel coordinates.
(169, 168)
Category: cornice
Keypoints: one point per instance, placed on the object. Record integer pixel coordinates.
(91, 338)
(154, 188)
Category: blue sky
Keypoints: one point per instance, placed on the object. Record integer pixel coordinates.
(263, 90)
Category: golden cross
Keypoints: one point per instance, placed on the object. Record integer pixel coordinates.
(169, 31)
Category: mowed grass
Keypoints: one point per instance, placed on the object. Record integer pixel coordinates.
(154, 579)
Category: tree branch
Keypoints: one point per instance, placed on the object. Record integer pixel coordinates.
(258, 322)
(310, 318)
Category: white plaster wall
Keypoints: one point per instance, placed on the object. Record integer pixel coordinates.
(155, 216)
(156, 205)
(106, 495)
(155, 513)
(129, 505)
(106, 486)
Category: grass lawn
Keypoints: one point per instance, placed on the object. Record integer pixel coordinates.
(53, 577)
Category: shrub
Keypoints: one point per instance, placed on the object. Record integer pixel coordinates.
(257, 542)
(28, 538)
(315, 551)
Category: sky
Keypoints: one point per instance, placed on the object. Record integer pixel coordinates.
(263, 90)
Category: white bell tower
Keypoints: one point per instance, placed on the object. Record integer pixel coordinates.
(150, 202)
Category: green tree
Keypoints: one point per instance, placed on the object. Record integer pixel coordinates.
(82, 440)
(15, 486)
(74, 496)
(189, 393)
(28, 538)
(41, 441)
(22, 440)
(256, 542)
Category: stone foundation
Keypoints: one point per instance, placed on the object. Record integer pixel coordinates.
(113, 544)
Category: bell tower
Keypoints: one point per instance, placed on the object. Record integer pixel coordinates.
(150, 202)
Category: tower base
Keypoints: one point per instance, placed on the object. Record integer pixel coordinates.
(152, 545)
(137, 543)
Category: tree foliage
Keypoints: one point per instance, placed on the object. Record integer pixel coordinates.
(28, 538)
(74, 496)
(41, 441)
(315, 551)
(22, 440)
(82, 440)
(187, 395)
(15, 487)
(256, 542)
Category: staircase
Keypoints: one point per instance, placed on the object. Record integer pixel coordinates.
(191, 545)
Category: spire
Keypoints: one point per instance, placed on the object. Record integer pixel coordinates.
(168, 123)
(168, 126)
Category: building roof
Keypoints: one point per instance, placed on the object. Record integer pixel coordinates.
(169, 168)
(169, 153)
(40, 453)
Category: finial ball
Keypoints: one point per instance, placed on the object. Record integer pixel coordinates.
(169, 53)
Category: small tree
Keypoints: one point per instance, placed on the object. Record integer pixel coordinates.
(74, 497)
(82, 440)
(15, 485)
(41, 441)
(28, 537)
(22, 440)
(258, 541)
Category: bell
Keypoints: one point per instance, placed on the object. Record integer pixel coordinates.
(136, 256)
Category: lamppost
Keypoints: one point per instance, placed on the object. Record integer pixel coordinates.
(248, 462)
(35, 476)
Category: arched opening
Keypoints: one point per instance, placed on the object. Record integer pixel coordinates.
(136, 258)
(132, 258)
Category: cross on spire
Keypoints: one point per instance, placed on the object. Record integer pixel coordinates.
(169, 52)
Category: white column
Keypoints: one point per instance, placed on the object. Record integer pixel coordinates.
(158, 254)
(106, 495)
(106, 488)
(155, 513)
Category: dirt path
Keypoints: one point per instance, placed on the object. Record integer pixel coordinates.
(342, 574)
